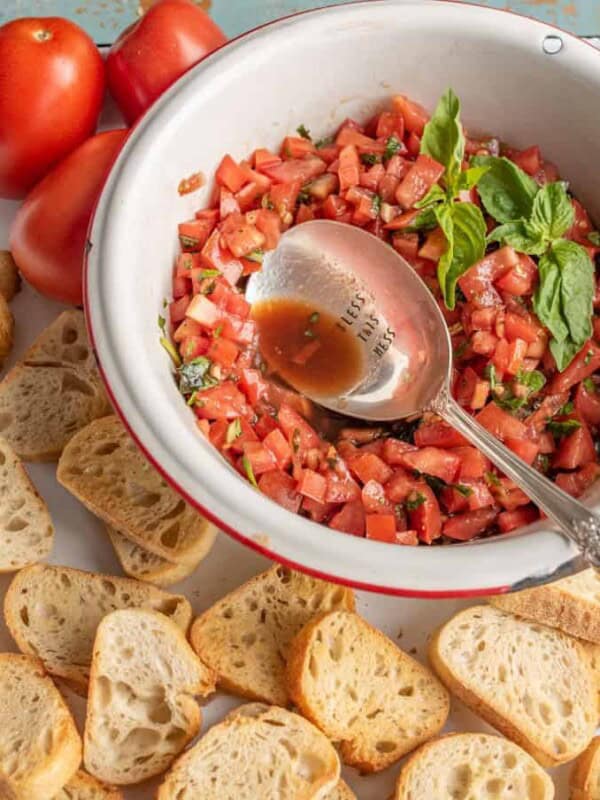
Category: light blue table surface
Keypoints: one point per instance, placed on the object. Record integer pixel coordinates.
(103, 19)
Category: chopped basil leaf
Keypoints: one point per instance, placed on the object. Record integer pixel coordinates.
(266, 202)
(249, 471)
(304, 196)
(324, 142)
(314, 318)
(566, 409)
(165, 302)
(161, 323)
(392, 146)
(594, 238)
(376, 204)
(296, 440)
(169, 347)
(303, 131)
(256, 255)
(492, 479)
(490, 374)
(415, 500)
(437, 484)
(192, 398)
(218, 331)
(589, 384)
(209, 273)
(534, 380)
(370, 158)
(193, 376)
(234, 429)
(310, 334)
(563, 427)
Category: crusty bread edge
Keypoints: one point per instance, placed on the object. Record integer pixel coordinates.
(553, 606)
(485, 711)
(60, 766)
(294, 673)
(581, 780)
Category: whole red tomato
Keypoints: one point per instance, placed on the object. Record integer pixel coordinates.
(51, 89)
(151, 54)
(49, 232)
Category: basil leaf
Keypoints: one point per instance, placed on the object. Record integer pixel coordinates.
(464, 228)
(564, 352)
(594, 238)
(424, 221)
(534, 380)
(520, 235)
(434, 195)
(547, 298)
(471, 177)
(443, 138)
(577, 288)
(564, 427)
(552, 212)
(506, 192)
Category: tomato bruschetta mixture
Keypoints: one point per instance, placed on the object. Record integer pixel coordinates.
(508, 252)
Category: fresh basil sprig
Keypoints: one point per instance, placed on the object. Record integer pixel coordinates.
(534, 220)
(462, 223)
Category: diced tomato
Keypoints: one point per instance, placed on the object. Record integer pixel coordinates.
(529, 160)
(413, 144)
(442, 464)
(371, 177)
(508, 495)
(511, 520)
(221, 402)
(389, 123)
(575, 450)
(313, 485)
(203, 311)
(419, 179)
(341, 488)
(520, 279)
(349, 168)
(279, 447)
(194, 233)
(407, 538)
(246, 434)
(368, 466)
(394, 451)
(228, 203)
(509, 356)
(248, 197)
(217, 433)
(407, 244)
(253, 385)
(264, 158)
(453, 500)
(582, 224)
(223, 351)
(299, 433)
(381, 527)
(188, 327)
(548, 408)
(438, 434)
(500, 423)
(521, 326)
(464, 527)
(524, 448)
(283, 197)
(350, 519)
(261, 460)
(374, 499)
(216, 257)
(336, 208)
(586, 362)
(243, 239)
(317, 512)
(480, 495)
(400, 485)
(350, 136)
(465, 386)
(265, 424)
(477, 282)
(178, 308)
(281, 488)
(230, 175)
(473, 464)
(426, 519)
(435, 245)
(193, 346)
(414, 115)
(296, 169)
(296, 147)
(236, 304)
(587, 404)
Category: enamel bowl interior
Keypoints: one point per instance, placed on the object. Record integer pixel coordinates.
(318, 68)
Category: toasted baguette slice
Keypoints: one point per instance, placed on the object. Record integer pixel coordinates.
(139, 563)
(26, 531)
(572, 605)
(9, 275)
(105, 470)
(59, 373)
(592, 652)
(341, 792)
(7, 329)
(141, 710)
(531, 682)
(40, 749)
(84, 787)
(258, 751)
(362, 690)
(585, 775)
(245, 636)
(53, 613)
(472, 765)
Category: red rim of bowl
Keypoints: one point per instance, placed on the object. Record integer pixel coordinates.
(245, 540)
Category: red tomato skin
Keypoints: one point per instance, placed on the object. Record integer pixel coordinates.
(61, 207)
(153, 53)
(51, 89)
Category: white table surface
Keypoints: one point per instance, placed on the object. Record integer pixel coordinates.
(81, 542)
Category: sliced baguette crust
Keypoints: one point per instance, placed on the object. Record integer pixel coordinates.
(362, 690)
(103, 467)
(341, 792)
(85, 787)
(592, 652)
(257, 751)
(26, 531)
(245, 636)
(141, 709)
(40, 749)
(572, 605)
(472, 766)
(10, 281)
(53, 612)
(585, 775)
(139, 563)
(7, 329)
(59, 373)
(531, 682)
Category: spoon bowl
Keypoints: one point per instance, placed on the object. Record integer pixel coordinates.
(378, 298)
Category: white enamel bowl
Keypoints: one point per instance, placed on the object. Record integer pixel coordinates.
(318, 68)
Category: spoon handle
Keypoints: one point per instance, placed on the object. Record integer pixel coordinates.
(572, 517)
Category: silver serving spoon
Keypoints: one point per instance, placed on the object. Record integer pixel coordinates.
(405, 344)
